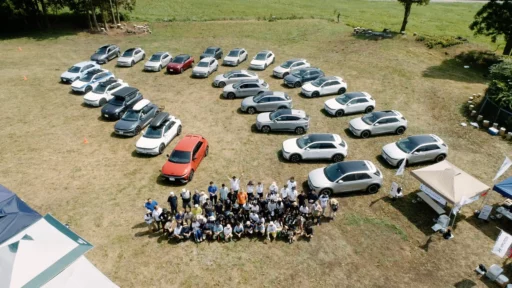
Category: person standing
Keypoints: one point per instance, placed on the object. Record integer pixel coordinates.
(317, 212)
(312, 197)
(302, 198)
(324, 200)
(291, 183)
(284, 192)
(235, 184)
(173, 203)
(148, 218)
(250, 190)
(212, 190)
(185, 198)
(223, 193)
(241, 198)
(150, 204)
(203, 198)
(156, 215)
(259, 190)
(273, 188)
(292, 195)
(196, 197)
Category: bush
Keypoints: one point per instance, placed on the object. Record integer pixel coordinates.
(500, 87)
(442, 41)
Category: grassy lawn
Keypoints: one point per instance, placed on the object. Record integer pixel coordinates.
(100, 187)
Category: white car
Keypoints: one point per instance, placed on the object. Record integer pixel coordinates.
(131, 56)
(232, 77)
(415, 149)
(352, 102)
(235, 57)
(158, 61)
(78, 70)
(284, 69)
(90, 80)
(315, 146)
(102, 93)
(205, 67)
(162, 129)
(262, 60)
(378, 122)
(324, 86)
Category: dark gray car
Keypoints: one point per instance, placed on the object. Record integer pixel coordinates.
(106, 53)
(136, 118)
(124, 99)
(265, 102)
(212, 51)
(301, 76)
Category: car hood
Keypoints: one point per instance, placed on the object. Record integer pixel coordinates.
(290, 145)
(332, 103)
(249, 101)
(318, 179)
(359, 124)
(263, 118)
(200, 69)
(175, 169)
(174, 65)
(310, 87)
(97, 56)
(291, 78)
(125, 59)
(152, 64)
(78, 83)
(204, 55)
(149, 143)
(257, 62)
(68, 75)
(219, 78)
(91, 96)
(229, 87)
(111, 109)
(280, 69)
(393, 151)
(230, 58)
(126, 125)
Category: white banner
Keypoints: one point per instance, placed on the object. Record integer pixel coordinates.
(486, 211)
(502, 244)
(432, 194)
(394, 188)
(401, 169)
(504, 167)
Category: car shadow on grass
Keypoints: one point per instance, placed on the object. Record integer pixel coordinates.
(305, 188)
(326, 114)
(240, 112)
(165, 182)
(255, 130)
(383, 162)
(286, 86)
(117, 136)
(279, 154)
(141, 156)
(100, 118)
(88, 106)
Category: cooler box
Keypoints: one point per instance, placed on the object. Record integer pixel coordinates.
(493, 131)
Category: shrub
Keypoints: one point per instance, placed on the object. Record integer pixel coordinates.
(500, 87)
(442, 41)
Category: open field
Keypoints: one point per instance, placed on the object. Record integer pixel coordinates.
(100, 187)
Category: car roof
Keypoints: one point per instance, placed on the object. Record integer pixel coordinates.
(295, 112)
(352, 166)
(237, 49)
(328, 78)
(206, 59)
(182, 55)
(83, 63)
(125, 91)
(295, 60)
(188, 142)
(130, 49)
(321, 137)
(273, 93)
(423, 139)
(108, 82)
(159, 53)
(353, 95)
(95, 71)
(308, 69)
(106, 45)
(212, 47)
(141, 104)
(264, 51)
(385, 113)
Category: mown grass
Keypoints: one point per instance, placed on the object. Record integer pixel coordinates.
(357, 220)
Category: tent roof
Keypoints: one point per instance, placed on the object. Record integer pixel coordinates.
(15, 215)
(449, 181)
(504, 187)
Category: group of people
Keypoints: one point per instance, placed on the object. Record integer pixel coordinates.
(226, 214)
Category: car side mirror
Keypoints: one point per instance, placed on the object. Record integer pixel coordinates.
(274, 120)
(307, 149)
(415, 153)
(167, 155)
(376, 124)
(194, 158)
(349, 104)
(340, 181)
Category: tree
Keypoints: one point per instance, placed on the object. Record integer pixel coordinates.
(407, 5)
(495, 19)
(500, 86)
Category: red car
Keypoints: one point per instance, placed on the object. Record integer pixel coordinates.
(180, 63)
(185, 159)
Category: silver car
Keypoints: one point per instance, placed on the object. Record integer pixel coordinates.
(348, 176)
(131, 56)
(266, 101)
(232, 77)
(283, 120)
(158, 61)
(245, 88)
(378, 122)
(415, 149)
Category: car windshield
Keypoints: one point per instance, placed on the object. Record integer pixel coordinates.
(406, 145)
(180, 157)
(202, 64)
(128, 53)
(117, 101)
(287, 64)
(155, 58)
(276, 114)
(102, 50)
(343, 99)
(257, 99)
(298, 73)
(318, 82)
(154, 132)
(87, 77)
(131, 116)
(100, 89)
(333, 172)
(209, 51)
(303, 141)
(369, 118)
(261, 56)
(179, 60)
(228, 74)
(74, 69)
(233, 53)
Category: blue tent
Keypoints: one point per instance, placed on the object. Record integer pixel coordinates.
(15, 215)
(504, 187)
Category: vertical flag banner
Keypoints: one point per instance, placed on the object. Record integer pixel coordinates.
(401, 170)
(504, 167)
(502, 244)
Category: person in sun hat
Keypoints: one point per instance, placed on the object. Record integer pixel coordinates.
(173, 203)
(248, 228)
(273, 188)
(292, 183)
(185, 197)
(196, 229)
(203, 198)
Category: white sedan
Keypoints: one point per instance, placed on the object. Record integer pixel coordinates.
(78, 70)
(102, 93)
(235, 57)
(352, 102)
(315, 146)
(131, 56)
(162, 129)
(284, 69)
(324, 86)
(158, 61)
(262, 60)
(205, 67)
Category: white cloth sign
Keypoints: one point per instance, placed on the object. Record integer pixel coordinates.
(433, 194)
(401, 169)
(502, 244)
(486, 211)
(394, 188)
(504, 167)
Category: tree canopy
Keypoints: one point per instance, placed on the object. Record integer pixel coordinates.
(494, 19)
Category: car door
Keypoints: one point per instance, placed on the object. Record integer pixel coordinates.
(361, 181)
(325, 88)
(357, 105)
(112, 88)
(110, 52)
(278, 122)
(253, 89)
(391, 125)
(417, 155)
(169, 131)
(243, 55)
(263, 104)
(380, 126)
(137, 55)
(346, 183)
(197, 154)
(312, 151)
(426, 153)
(165, 59)
(241, 91)
(327, 150)
(212, 66)
(273, 103)
(334, 86)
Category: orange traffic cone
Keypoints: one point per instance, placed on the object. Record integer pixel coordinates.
(25, 78)
(19, 48)
(85, 141)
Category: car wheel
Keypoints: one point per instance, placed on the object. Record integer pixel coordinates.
(133, 63)
(297, 85)
(181, 70)
(103, 101)
(285, 74)
(399, 163)
(265, 129)
(88, 89)
(207, 150)
(338, 158)
(315, 94)
(372, 189)
(251, 110)
(161, 148)
(339, 113)
(178, 132)
(143, 56)
(295, 158)
(299, 130)
(237, 62)
(159, 68)
(118, 54)
(368, 109)
(365, 134)
(281, 107)
(400, 130)
(265, 67)
(191, 175)
(440, 157)
(342, 91)
(326, 191)
(137, 130)
(222, 84)
(231, 95)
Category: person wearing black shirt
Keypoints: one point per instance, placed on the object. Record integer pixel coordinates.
(302, 198)
(312, 197)
(227, 205)
(219, 208)
(308, 230)
(173, 203)
(195, 198)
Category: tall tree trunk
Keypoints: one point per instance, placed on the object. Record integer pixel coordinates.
(406, 15)
(103, 17)
(117, 12)
(112, 11)
(89, 20)
(94, 20)
(508, 46)
(45, 14)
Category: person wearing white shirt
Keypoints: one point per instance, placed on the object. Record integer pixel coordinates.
(255, 207)
(203, 198)
(235, 184)
(271, 231)
(292, 183)
(250, 189)
(238, 230)
(304, 209)
(185, 198)
(156, 215)
(292, 195)
(148, 218)
(228, 235)
(177, 232)
(324, 200)
(254, 217)
(259, 190)
(273, 187)
(272, 206)
(196, 229)
(284, 191)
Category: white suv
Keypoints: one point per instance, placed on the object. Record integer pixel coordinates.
(284, 69)
(324, 86)
(352, 102)
(346, 176)
(78, 70)
(262, 60)
(205, 67)
(415, 149)
(379, 122)
(315, 146)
